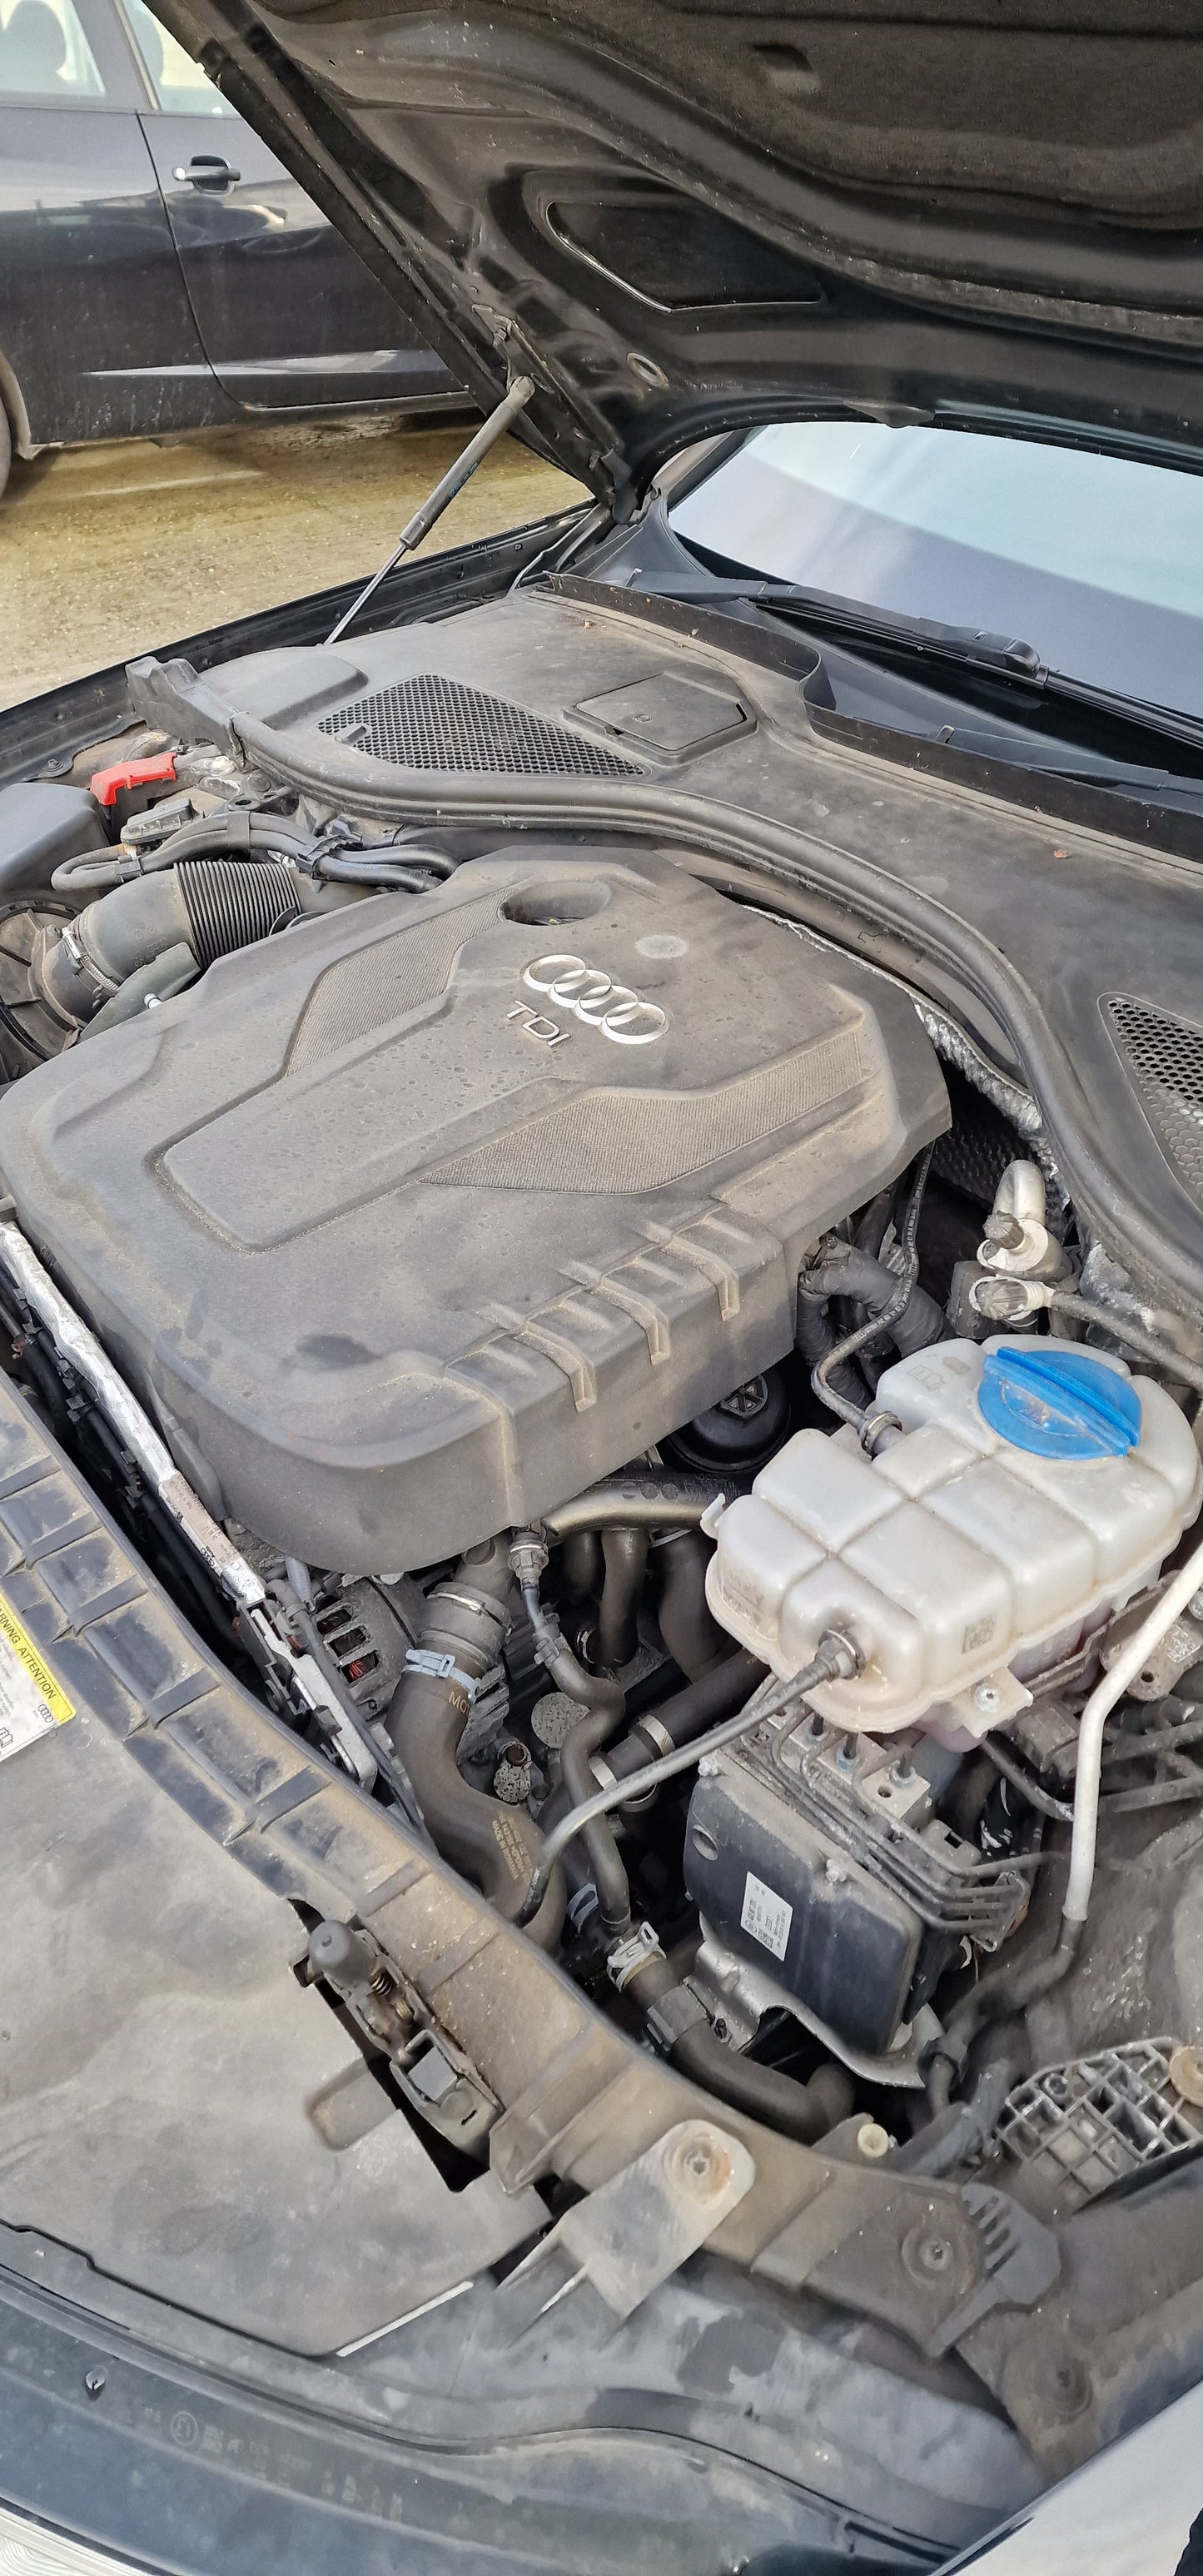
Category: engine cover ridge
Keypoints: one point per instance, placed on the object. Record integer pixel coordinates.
(412, 1220)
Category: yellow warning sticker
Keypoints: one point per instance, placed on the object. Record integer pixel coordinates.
(31, 1701)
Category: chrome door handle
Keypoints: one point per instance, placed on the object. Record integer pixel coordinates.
(207, 170)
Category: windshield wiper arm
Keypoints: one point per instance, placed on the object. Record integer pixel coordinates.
(1005, 657)
(972, 644)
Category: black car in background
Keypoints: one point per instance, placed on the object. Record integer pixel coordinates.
(159, 269)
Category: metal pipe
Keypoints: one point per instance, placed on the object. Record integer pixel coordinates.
(1129, 1661)
(650, 1498)
(436, 502)
(1066, 1301)
(823, 1375)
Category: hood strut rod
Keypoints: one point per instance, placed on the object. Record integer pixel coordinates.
(436, 502)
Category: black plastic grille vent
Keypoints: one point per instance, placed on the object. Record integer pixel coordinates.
(1164, 1057)
(432, 723)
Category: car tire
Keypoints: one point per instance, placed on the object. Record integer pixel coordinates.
(6, 447)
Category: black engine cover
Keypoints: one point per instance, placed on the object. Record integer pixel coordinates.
(414, 1219)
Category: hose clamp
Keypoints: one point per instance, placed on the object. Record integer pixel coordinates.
(658, 1736)
(440, 1668)
(627, 1957)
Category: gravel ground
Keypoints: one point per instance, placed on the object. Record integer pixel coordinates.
(113, 550)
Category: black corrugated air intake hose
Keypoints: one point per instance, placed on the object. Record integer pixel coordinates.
(230, 904)
(204, 908)
(496, 1846)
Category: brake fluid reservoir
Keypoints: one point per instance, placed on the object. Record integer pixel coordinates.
(1034, 1488)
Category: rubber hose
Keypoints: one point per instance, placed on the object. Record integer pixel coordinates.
(802, 2111)
(1004, 1990)
(210, 906)
(111, 939)
(603, 1711)
(162, 979)
(676, 1721)
(714, 1694)
(603, 1702)
(625, 1555)
(871, 1232)
(693, 1637)
(232, 831)
(582, 1568)
(859, 1275)
(961, 2129)
(346, 867)
(815, 1335)
(497, 1847)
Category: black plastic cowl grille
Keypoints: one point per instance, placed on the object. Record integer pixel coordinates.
(1163, 1056)
(432, 723)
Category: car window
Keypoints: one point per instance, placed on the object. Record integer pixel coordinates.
(1096, 560)
(44, 53)
(178, 83)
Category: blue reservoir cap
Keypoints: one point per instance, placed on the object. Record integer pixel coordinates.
(1058, 1403)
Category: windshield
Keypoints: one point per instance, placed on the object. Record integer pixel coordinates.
(1095, 560)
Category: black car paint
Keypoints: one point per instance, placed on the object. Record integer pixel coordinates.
(134, 303)
(939, 224)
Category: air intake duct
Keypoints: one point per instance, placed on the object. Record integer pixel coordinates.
(229, 904)
(191, 914)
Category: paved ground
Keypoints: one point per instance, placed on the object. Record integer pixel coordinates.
(113, 550)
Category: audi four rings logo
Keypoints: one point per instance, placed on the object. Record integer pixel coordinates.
(621, 1014)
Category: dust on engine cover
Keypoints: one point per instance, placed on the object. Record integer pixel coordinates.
(408, 1223)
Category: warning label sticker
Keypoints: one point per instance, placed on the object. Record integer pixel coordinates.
(766, 1915)
(31, 1701)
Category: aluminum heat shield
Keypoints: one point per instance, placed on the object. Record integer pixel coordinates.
(406, 1227)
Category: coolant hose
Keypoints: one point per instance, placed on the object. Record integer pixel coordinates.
(827, 1374)
(693, 1637)
(602, 1702)
(624, 1553)
(714, 1694)
(1007, 1989)
(839, 1656)
(802, 2111)
(816, 1338)
(232, 831)
(496, 1846)
(850, 1272)
(959, 2130)
(675, 1722)
(166, 975)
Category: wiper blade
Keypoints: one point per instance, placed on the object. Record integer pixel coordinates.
(1005, 657)
(972, 644)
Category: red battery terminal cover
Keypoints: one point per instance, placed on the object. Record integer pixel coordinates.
(107, 784)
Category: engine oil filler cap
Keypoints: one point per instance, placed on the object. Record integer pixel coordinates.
(1059, 1403)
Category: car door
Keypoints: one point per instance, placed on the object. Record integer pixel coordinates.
(288, 315)
(97, 336)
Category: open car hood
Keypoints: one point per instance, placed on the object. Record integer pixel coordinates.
(681, 218)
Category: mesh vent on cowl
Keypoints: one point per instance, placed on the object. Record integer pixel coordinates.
(432, 723)
(1164, 1058)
